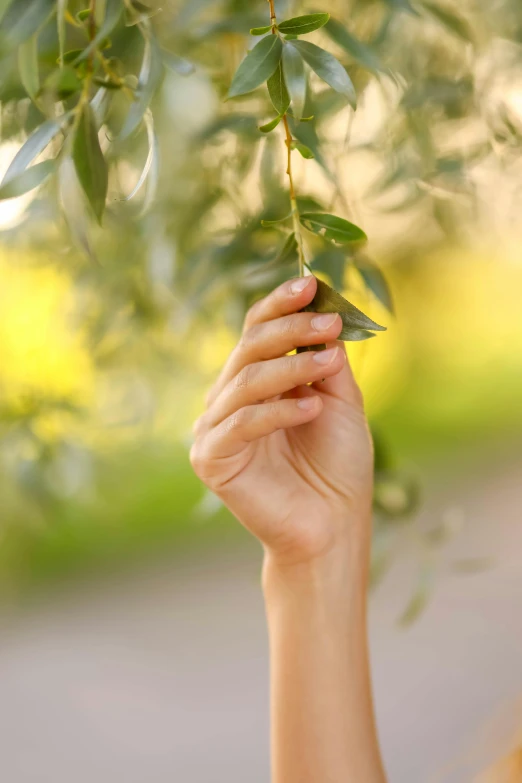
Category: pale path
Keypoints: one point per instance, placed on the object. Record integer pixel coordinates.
(162, 677)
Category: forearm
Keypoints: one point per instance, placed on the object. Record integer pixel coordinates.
(323, 726)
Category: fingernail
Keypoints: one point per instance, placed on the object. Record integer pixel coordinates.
(306, 403)
(323, 322)
(325, 357)
(299, 285)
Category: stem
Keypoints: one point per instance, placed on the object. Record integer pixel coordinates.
(273, 20)
(92, 32)
(293, 200)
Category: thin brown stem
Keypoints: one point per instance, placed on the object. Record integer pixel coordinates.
(273, 19)
(289, 144)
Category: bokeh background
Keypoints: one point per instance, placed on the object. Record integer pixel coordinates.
(132, 643)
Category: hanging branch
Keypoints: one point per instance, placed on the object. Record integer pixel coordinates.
(281, 60)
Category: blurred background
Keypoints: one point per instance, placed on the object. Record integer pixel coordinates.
(132, 642)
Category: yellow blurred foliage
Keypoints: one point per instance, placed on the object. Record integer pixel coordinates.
(42, 351)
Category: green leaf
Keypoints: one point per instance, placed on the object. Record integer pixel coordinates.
(176, 63)
(403, 5)
(261, 30)
(89, 162)
(306, 134)
(63, 82)
(113, 12)
(295, 78)
(356, 335)
(60, 12)
(328, 68)
(301, 25)
(452, 22)
(334, 228)
(28, 66)
(26, 181)
(84, 14)
(270, 126)
(268, 223)
(35, 144)
(74, 206)
(151, 163)
(142, 13)
(305, 151)
(257, 67)
(326, 300)
(362, 53)
(332, 261)
(288, 252)
(69, 57)
(150, 77)
(376, 283)
(23, 19)
(277, 90)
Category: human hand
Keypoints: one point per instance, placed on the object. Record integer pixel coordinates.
(284, 441)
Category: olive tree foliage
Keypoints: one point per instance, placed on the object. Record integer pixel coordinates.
(167, 141)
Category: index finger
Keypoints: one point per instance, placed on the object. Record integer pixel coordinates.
(288, 298)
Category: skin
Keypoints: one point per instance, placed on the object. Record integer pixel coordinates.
(285, 444)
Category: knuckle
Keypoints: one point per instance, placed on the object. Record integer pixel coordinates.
(248, 338)
(198, 458)
(288, 326)
(239, 419)
(246, 377)
(292, 365)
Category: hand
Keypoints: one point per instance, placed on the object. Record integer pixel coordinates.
(284, 441)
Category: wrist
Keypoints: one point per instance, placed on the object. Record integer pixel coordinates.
(340, 572)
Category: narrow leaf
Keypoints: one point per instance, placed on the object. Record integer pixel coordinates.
(305, 151)
(376, 283)
(295, 78)
(28, 66)
(35, 144)
(89, 162)
(113, 12)
(452, 22)
(257, 67)
(268, 223)
(328, 68)
(63, 82)
(403, 5)
(61, 12)
(362, 53)
(355, 335)
(270, 126)
(287, 253)
(332, 261)
(326, 300)
(300, 25)
(176, 63)
(149, 80)
(23, 19)
(151, 161)
(261, 30)
(277, 90)
(74, 205)
(26, 181)
(334, 228)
